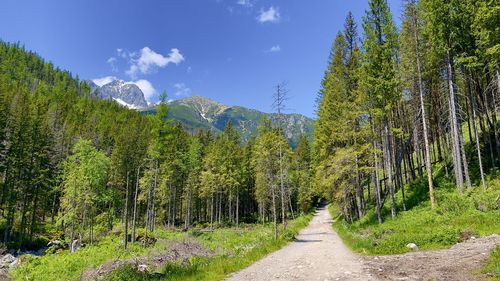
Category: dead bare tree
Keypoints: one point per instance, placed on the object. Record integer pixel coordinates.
(280, 97)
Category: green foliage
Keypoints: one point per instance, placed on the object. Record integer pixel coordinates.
(429, 229)
(341, 143)
(269, 147)
(245, 121)
(46, 110)
(238, 248)
(69, 266)
(492, 267)
(301, 175)
(84, 180)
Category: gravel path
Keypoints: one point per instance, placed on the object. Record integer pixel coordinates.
(458, 263)
(317, 254)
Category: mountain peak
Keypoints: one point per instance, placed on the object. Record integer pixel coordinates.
(126, 94)
(198, 112)
(205, 107)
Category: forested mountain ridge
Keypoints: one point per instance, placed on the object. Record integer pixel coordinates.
(198, 112)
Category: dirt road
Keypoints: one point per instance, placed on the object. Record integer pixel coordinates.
(319, 254)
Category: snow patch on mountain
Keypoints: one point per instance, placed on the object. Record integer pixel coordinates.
(125, 93)
(123, 103)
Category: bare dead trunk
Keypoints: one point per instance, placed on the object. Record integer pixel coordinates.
(428, 165)
(455, 141)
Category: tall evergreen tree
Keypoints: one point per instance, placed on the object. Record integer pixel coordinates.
(381, 80)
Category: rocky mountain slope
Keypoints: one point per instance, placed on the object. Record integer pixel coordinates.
(198, 112)
(126, 94)
(202, 113)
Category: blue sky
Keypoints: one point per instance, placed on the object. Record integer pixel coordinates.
(232, 51)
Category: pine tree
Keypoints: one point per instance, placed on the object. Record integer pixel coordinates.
(301, 174)
(381, 81)
(84, 177)
(411, 54)
(193, 181)
(266, 161)
(340, 129)
(440, 32)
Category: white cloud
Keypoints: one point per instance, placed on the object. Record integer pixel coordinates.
(181, 90)
(274, 49)
(149, 59)
(189, 69)
(146, 87)
(245, 3)
(104, 80)
(122, 53)
(112, 62)
(270, 15)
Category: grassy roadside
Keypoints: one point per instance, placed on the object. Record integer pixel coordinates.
(235, 249)
(456, 218)
(66, 266)
(427, 228)
(492, 267)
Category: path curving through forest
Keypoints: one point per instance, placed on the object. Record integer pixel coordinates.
(319, 254)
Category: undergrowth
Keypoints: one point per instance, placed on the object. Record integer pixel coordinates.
(234, 248)
(492, 268)
(457, 216)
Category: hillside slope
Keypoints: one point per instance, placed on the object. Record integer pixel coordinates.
(202, 113)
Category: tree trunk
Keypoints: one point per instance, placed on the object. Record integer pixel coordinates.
(428, 165)
(33, 215)
(212, 214)
(478, 148)
(455, 133)
(275, 219)
(237, 208)
(188, 204)
(135, 205)
(282, 189)
(388, 165)
(376, 179)
(125, 237)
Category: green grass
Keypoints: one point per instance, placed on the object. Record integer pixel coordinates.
(474, 212)
(236, 248)
(492, 268)
(68, 266)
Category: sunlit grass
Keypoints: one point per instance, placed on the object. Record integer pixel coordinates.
(492, 268)
(234, 248)
(475, 212)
